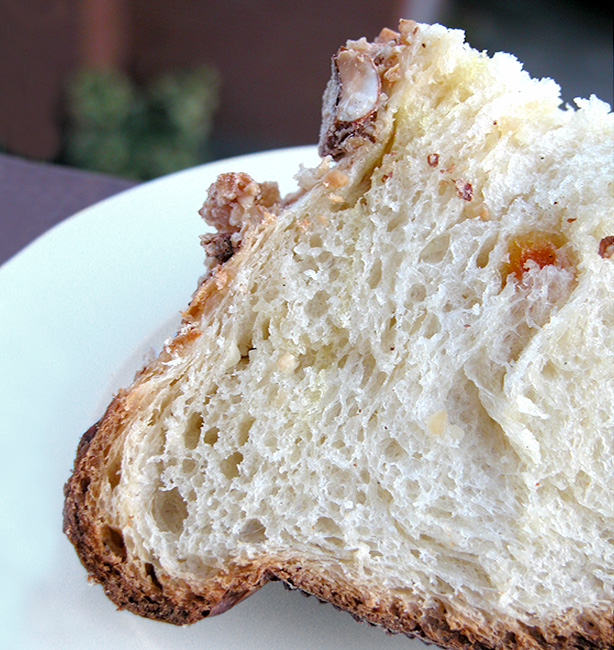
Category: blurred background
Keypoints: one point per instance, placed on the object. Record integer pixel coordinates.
(140, 88)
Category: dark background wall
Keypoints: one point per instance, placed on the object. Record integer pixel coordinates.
(273, 56)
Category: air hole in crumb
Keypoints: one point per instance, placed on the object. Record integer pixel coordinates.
(384, 495)
(188, 465)
(329, 526)
(550, 371)
(436, 249)
(114, 472)
(417, 293)
(191, 434)
(245, 347)
(265, 331)
(335, 541)
(295, 454)
(369, 364)
(395, 222)
(315, 241)
(432, 326)
(412, 326)
(243, 429)
(151, 573)
(342, 361)
(375, 276)
(389, 335)
(393, 450)
(378, 379)
(325, 258)
(334, 410)
(211, 436)
(113, 541)
(443, 187)
(253, 532)
(169, 510)
(318, 305)
(484, 254)
(230, 465)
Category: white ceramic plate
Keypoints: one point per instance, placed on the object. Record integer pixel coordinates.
(79, 308)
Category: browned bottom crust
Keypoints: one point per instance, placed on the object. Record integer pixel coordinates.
(137, 588)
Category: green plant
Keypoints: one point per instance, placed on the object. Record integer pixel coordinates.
(142, 132)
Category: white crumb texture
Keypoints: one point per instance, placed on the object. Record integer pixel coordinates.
(372, 393)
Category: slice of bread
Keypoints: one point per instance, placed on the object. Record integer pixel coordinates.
(395, 389)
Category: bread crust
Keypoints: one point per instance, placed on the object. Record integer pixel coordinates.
(101, 549)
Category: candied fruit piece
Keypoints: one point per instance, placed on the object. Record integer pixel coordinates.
(541, 248)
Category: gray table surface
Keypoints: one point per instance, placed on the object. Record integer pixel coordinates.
(35, 196)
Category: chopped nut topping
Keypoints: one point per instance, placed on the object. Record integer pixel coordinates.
(359, 86)
(477, 209)
(392, 75)
(606, 247)
(218, 246)
(350, 101)
(362, 76)
(408, 28)
(387, 35)
(484, 213)
(335, 178)
(235, 203)
(220, 277)
(464, 190)
(236, 200)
